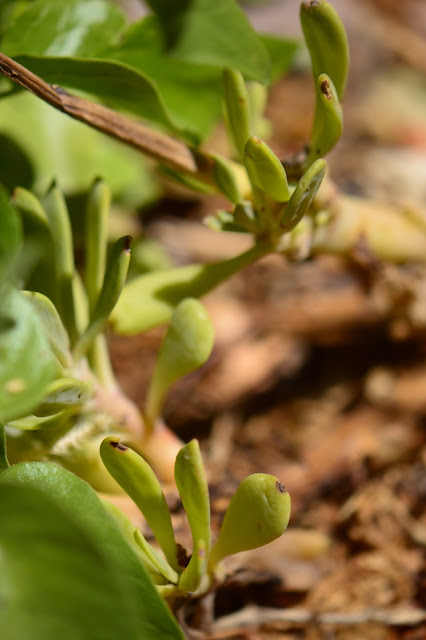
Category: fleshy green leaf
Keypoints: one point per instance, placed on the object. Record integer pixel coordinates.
(302, 196)
(186, 346)
(149, 300)
(213, 33)
(326, 135)
(139, 481)
(192, 485)
(327, 42)
(26, 362)
(238, 113)
(257, 514)
(265, 170)
(79, 578)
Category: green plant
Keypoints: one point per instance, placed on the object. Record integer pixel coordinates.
(59, 399)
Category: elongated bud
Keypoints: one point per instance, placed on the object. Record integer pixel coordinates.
(192, 485)
(225, 179)
(60, 227)
(186, 346)
(237, 104)
(302, 196)
(326, 39)
(265, 170)
(327, 42)
(114, 281)
(326, 135)
(97, 215)
(257, 514)
(138, 480)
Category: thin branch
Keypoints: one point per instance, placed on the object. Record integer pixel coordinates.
(157, 145)
(260, 615)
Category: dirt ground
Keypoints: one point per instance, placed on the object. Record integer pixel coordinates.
(311, 379)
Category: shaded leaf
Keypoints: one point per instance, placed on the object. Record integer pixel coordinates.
(213, 33)
(89, 583)
(26, 362)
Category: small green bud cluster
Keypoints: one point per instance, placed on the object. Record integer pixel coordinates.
(274, 207)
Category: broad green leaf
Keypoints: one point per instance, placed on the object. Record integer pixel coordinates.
(10, 236)
(119, 583)
(62, 586)
(118, 85)
(43, 133)
(281, 52)
(65, 28)
(192, 92)
(26, 363)
(149, 300)
(213, 33)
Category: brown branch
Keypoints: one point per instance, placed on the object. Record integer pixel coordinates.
(254, 615)
(152, 143)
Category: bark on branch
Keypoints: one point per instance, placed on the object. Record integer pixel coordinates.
(159, 146)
